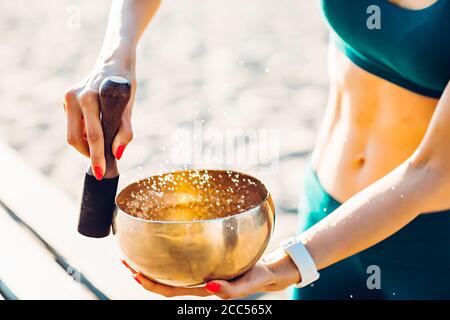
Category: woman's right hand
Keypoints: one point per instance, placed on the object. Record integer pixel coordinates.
(81, 104)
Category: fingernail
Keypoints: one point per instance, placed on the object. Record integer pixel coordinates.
(98, 172)
(119, 151)
(137, 280)
(125, 263)
(212, 286)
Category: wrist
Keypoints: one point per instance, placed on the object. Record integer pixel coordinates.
(121, 55)
(284, 269)
(297, 263)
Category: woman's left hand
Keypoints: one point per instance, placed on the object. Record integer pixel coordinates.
(263, 277)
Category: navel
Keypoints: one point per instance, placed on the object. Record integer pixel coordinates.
(360, 161)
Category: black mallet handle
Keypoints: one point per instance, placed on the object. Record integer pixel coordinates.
(98, 201)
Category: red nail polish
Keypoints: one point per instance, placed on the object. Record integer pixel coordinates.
(125, 264)
(212, 287)
(137, 280)
(119, 151)
(98, 172)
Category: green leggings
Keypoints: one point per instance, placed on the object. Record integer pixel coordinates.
(414, 263)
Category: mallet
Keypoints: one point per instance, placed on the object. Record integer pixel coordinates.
(98, 200)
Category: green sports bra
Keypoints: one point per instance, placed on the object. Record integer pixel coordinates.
(410, 48)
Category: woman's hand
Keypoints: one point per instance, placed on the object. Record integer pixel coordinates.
(263, 277)
(81, 103)
(127, 21)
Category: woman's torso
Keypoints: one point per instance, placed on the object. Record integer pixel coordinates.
(371, 125)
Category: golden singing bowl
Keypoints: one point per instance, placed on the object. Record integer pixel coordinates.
(188, 227)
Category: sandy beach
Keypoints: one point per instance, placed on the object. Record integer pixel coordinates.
(205, 68)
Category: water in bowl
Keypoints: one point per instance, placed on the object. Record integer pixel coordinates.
(192, 195)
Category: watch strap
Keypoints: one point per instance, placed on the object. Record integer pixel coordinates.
(304, 262)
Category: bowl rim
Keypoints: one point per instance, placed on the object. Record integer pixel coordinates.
(250, 211)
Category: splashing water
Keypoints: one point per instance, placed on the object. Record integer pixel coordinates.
(192, 195)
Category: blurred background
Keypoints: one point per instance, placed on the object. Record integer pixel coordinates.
(231, 66)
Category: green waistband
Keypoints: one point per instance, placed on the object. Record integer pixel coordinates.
(316, 203)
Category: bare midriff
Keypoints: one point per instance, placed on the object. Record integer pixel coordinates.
(370, 127)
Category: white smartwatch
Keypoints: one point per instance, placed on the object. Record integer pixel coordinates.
(298, 253)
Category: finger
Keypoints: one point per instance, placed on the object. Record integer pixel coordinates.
(128, 266)
(251, 282)
(75, 127)
(222, 289)
(163, 289)
(84, 130)
(91, 113)
(231, 290)
(169, 291)
(123, 137)
(70, 97)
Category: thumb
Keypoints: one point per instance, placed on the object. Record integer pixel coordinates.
(121, 140)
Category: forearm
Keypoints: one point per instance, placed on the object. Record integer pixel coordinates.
(370, 216)
(127, 21)
(420, 185)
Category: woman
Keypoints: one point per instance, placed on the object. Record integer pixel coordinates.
(377, 197)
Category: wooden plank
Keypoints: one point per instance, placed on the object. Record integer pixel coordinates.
(30, 269)
(6, 293)
(53, 215)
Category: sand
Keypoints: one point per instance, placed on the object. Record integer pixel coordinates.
(219, 67)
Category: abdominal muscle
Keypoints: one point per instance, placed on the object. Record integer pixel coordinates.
(370, 127)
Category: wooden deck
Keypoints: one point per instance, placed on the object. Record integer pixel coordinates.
(43, 257)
